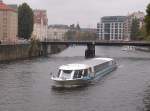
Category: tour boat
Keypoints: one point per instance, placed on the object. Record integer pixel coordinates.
(82, 73)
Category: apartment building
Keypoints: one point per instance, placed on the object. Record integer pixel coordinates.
(128, 23)
(57, 32)
(40, 25)
(8, 23)
(111, 28)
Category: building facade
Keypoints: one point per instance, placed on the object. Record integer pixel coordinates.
(57, 32)
(128, 23)
(8, 23)
(111, 28)
(40, 25)
(91, 30)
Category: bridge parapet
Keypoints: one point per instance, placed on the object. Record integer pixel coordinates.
(100, 43)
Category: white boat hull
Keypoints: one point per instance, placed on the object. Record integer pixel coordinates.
(70, 83)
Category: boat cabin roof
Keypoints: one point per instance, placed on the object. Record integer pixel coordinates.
(85, 64)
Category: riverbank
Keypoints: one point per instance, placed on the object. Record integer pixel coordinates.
(23, 51)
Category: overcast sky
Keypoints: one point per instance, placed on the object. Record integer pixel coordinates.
(85, 12)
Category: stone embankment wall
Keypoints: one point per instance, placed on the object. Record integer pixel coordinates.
(13, 52)
(22, 51)
(56, 49)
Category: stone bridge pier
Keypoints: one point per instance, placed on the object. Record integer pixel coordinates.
(90, 51)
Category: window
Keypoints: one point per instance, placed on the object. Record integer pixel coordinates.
(98, 25)
(55, 33)
(5, 34)
(112, 36)
(101, 67)
(77, 74)
(80, 73)
(116, 30)
(107, 28)
(67, 71)
(85, 72)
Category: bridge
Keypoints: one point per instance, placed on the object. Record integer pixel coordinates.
(90, 51)
(100, 43)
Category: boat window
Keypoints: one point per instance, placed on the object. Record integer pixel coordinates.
(85, 72)
(101, 66)
(77, 73)
(80, 73)
(67, 71)
(58, 73)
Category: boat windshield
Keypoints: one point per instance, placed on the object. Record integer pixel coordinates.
(66, 74)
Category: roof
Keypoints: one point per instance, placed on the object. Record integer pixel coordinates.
(74, 66)
(13, 6)
(85, 64)
(6, 7)
(59, 26)
(113, 19)
(39, 16)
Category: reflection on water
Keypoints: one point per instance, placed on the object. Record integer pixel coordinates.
(147, 99)
(26, 86)
(59, 90)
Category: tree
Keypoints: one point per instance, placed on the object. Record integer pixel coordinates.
(147, 20)
(78, 27)
(142, 33)
(78, 35)
(70, 35)
(135, 29)
(25, 21)
(72, 27)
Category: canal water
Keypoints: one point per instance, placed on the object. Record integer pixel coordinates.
(25, 85)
